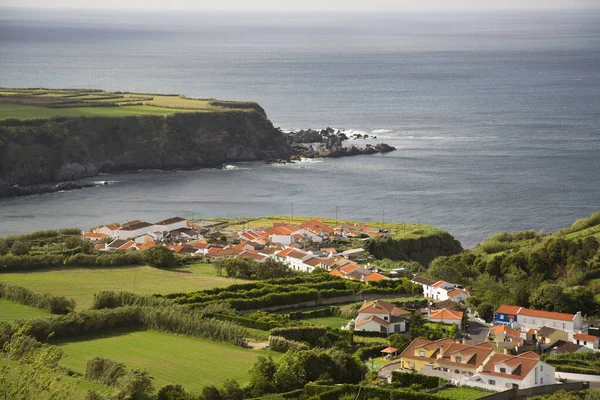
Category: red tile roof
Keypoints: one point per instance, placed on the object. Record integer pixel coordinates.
(127, 245)
(285, 252)
(446, 314)
(349, 268)
(95, 235)
(201, 245)
(524, 363)
(336, 272)
(504, 309)
(146, 245)
(588, 338)
(546, 314)
(438, 284)
(381, 307)
(374, 277)
(374, 319)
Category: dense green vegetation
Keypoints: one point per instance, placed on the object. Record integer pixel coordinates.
(579, 363)
(549, 272)
(52, 304)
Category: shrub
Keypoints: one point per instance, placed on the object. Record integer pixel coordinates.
(282, 345)
(160, 257)
(136, 385)
(104, 370)
(53, 304)
(404, 379)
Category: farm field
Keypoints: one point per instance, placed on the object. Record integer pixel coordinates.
(47, 103)
(462, 393)
(331, 322)
(170, 359)
(10, 311)
(80, 284)
(21, 111)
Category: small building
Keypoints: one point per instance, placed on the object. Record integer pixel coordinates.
(524, 371)
(547, 336)
(524, 319)
(110, 230)
(380, 316)
(562, 347)
(134, 229)
(447, 316)
(95, 237)
(589, 341)
(172, 224)
(505, 337)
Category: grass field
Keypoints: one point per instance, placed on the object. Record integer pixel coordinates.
(80, 284)
(462, 393)
(10, 311)
(331, 322)
(170, 359)
(46, 103)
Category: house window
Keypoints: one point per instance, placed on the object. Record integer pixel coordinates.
(383, 329)
(533, 321)
(457, 371)
(492, 382)
(541, 367)
(385, 318)
(445, 369)
(470, 374)
(503, 370)
(541, 381)
(524, 320)
(501, 316)
(421, 353)
(458, 359)
(585, 342)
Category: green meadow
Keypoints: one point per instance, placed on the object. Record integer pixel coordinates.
(10, 311)
(80, 284)
(191, 362)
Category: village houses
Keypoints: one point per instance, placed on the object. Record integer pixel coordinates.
(524, 319)
(379, 316)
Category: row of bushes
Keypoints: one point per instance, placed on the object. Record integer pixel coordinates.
(166, 319)
(53, 304)
(330, 392)
(42, 236)
(132, 384)
(364, 353)
(10, 262)
(315, 336)
(405, 379)
(109, 299)
(323, 312)
(283, 345)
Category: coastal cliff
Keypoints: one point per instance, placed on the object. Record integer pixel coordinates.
(48, 151)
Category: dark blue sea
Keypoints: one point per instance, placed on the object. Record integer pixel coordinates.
(496, 116)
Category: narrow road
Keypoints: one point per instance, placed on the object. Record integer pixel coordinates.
(478, 332)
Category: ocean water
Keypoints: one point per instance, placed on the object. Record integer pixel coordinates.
(496, 116)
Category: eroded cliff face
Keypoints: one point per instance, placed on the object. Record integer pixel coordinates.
(61, 149)
(423, 250)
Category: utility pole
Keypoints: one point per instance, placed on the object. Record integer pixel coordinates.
(292, 210)
(336, 215)
(383, 219)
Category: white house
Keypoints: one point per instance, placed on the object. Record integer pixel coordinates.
(525, 319)
(171, 224)
(380, 316)
(446, 316)
(476, 365)
(95, 237)
(295, 260)
(503, 371)
(110, 230)
(134, 229)
(442, 290)
(589, 341)
(426, 283)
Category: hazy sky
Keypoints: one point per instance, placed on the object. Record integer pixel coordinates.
(371, 5)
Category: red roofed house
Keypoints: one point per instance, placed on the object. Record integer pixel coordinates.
(95, 237)
(374, 277)
(505, 337)
(592, 342)
(525, 319)
(447, 316)
(476, 365)
(380, 316)
(146, 245)
(110, 230)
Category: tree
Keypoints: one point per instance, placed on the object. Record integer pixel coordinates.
(399, 341)
(136, 385)
(3, 247)
(232, 390)
(549, 297)
(261, 376)
(173, 392)
(160, 257)
(93, 395)
(211, 393)
(20, 248)
(485, 311)
(31, 371)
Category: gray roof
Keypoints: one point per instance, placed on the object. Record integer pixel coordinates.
(423, 281)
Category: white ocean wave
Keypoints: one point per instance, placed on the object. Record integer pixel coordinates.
(105, 182)
(235, 167)
(380, 131)
(310, 160)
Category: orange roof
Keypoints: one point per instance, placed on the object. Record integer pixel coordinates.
(285, 252)
(524, 363)
(112, 227)
(588, 338)
(95, 235)
(531, 331)
(100, 246)
(374, 319)
(374, 277)
(336, 272)
(201, 245)
(437, 347)
(176, 249)
(389, 350)
(504, 329)
(127, 245)
(546, 314)
(329, 250)
(381, 307)
(349, 268)
(297, 254)
(146, 245)
(457, 292)
(438, 283)
(445, 314)
(504, 309)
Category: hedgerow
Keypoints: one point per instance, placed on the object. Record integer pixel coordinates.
(53, 304)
